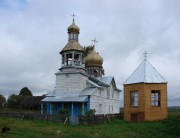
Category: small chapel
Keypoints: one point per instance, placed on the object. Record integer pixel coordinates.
(145, 94)
(80, 84)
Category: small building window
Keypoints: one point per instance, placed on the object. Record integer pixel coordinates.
(155, 97)
(134, 98)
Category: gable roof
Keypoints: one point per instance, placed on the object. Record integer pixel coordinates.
(145, 73)
(93, 83)
(88, 91)
(108, 81)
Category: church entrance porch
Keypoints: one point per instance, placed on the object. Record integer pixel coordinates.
(72, 108)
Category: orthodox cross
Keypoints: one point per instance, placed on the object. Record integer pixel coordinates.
(94, 41)
(73, 16)
(145, 55)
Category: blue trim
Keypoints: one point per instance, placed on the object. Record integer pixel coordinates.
(42, 108)
(47, 104)
(76, 109)
(72, 108)
(83, 108)
(86, 100)
(88, 104)
(50, 108)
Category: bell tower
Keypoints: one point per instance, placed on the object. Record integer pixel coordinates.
(73, 54)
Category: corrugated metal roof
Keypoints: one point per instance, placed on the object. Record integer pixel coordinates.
(146, 73)
(62, 94)
(93, 83)
(51, 94)
(106, 80)
(65, 99)
(88, 91)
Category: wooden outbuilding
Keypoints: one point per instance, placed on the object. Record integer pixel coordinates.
(145, 95)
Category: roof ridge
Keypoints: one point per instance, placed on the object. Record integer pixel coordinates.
(156, 70)
(145, 73)
(133, 72)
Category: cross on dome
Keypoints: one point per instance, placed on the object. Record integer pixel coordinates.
(95, 41)
(73, 16)
(145, 54)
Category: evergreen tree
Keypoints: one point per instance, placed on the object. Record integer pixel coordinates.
(25, 92)
(14, 101)
(88, 49)
(2, 101)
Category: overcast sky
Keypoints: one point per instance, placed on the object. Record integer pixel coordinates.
(33, 32)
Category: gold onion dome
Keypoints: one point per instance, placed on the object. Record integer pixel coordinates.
(73, 45)
(73, 28)
(93, 59)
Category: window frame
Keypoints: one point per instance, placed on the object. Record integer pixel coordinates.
(155, 98)
(134, 102)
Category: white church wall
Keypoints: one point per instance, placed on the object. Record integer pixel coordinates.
(102, 104)
(70, 82)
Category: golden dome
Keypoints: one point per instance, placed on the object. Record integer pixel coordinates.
(93, 59)
(73, 45)
(73, 28)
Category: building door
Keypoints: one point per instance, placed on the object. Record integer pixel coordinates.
(134, 117)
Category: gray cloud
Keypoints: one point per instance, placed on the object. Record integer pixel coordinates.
(32, 32)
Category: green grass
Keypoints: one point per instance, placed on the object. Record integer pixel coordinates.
(115, 129)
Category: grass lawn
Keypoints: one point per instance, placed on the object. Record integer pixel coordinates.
(115, 129)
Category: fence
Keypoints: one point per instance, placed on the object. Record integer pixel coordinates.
(34, 116)
(101, 118)
(82, 119)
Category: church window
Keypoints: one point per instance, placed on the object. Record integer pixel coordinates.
(155, 97)
(108, 93)
(77, 59)
(83, 61)
(70, 36)
(69, 59)
(134, 98)
(112, 94)
(67, 75)
(62, 59)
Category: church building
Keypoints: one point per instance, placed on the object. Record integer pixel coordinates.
(145, 94)
(80, 85)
